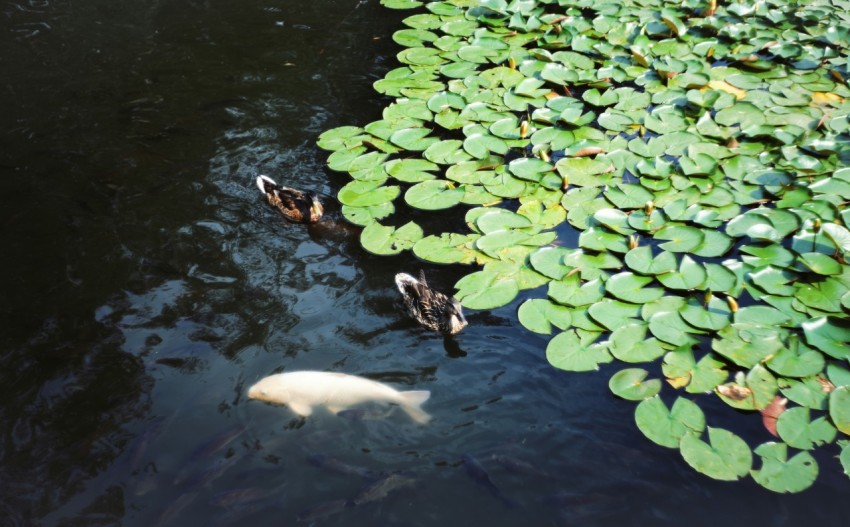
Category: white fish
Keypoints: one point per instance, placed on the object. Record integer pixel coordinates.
(304, 390)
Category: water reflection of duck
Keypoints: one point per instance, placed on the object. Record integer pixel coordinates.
(295, 205)
(432, 309)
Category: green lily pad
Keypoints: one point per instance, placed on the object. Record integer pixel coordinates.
(725, 457)
(483, 290)
(628, 343)
(820, 263)
(413, 139)
(715, 316)
(681, 238)
(539, 315)
(691, 275)
(808, 391)
(839, 408)
(571, 292)
(669, 327)
(379, 239)
(433, 195)
(365, 215)
(500, 219)
(630, 384)
(747, 344)
(549, 261)
(796, 428)
(567, 352)
(355, 194)
(611, 314)
(752, 391)
(411, 170)
(780, 474)
(632, 288)
(641, 260)
(796, 360)
(831, 336)
(666, 427)
(447, 248)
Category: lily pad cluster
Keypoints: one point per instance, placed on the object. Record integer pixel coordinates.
(699, 148)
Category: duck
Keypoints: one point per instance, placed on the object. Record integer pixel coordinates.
(296, 206)
(431, 308)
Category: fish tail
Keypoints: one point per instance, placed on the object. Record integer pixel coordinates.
(412, 401)
(263, 182)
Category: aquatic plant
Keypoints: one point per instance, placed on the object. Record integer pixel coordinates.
(699, 148)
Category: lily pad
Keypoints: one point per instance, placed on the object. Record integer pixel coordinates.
(628, 343)
(632, 288)
(796, 428)
(433, 195)
(831, 336)
(539, 315)
(483, 290)
(839, 408)
(666, 427)
(630, 384)
(725, 457)
(780, 474)
(379, 239)
(567, 352)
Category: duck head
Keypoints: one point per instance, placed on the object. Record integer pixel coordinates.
(316, 208)
(454, 317)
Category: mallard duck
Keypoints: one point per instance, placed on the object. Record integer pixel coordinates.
(295, 205)
(432, 309)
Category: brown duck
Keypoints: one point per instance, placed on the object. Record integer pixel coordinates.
(295, 205)
(432, 309)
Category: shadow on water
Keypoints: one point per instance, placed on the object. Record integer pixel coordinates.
(147, 286)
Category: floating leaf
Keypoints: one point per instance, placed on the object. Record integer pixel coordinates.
(666, 427)
(379, 239)
(725, 457)
(832, 336)
(433, 195)
(628, 343)
(682, 238)
(796, 360)
(839, 408)
(484, 290)
(754, 391)
(640, 260)
(540, 315)
(632, 288)
(567, 352)
(820, 263)
(796, 429)
(629, 384)
(780, 474)
(447, 248)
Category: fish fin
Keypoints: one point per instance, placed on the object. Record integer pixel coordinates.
(335, 409)
(301, 409)
(411, 403)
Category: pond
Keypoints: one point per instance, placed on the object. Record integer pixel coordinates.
(147, 286)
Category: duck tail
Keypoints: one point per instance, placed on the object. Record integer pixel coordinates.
(412, 401)
(265, 184)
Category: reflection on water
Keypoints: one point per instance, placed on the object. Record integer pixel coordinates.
(148, 285)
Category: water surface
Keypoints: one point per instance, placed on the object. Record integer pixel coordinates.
(147, 286)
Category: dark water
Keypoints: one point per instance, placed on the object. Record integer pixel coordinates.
(146, 286)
